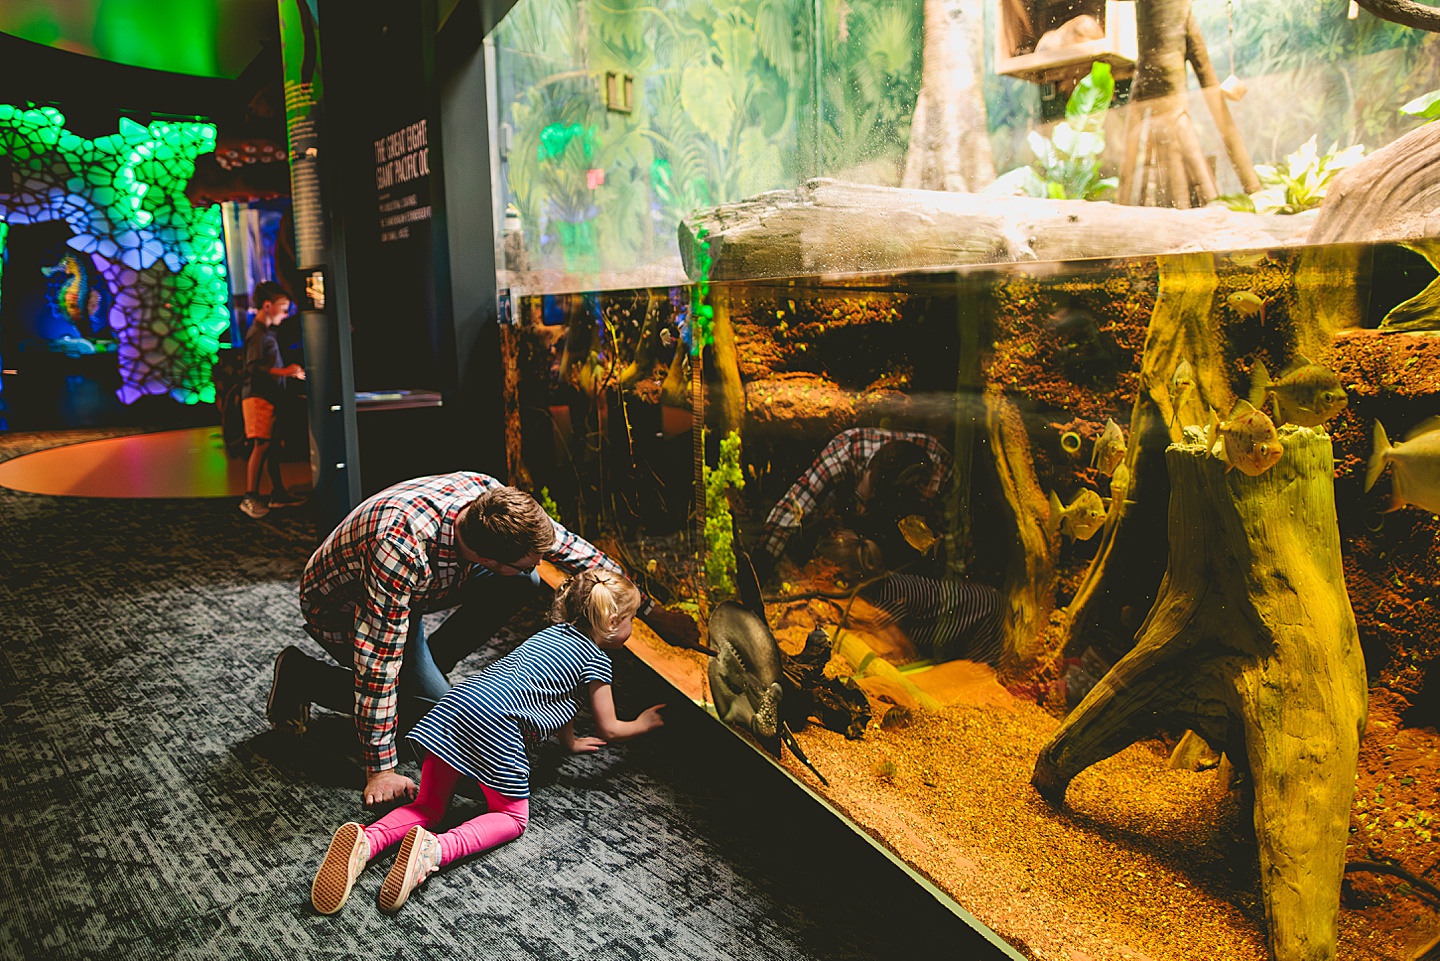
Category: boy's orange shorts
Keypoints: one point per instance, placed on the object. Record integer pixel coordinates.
(259, 416)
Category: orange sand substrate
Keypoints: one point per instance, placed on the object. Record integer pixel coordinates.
(1145, 862)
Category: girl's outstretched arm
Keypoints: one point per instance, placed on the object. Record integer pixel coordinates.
(611, 728)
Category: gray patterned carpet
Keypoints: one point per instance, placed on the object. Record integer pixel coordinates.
(148, 812)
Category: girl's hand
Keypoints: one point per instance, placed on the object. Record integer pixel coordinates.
(585, 745)
(649, 719)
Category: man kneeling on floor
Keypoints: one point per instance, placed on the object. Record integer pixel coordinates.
(424, 545)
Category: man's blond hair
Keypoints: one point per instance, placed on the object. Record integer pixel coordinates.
(505, 524)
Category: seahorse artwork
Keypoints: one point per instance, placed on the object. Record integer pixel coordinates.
(75, 298)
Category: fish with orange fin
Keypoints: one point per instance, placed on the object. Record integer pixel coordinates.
(1247, 441)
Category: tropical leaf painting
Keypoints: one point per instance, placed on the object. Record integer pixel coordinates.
(718, 91)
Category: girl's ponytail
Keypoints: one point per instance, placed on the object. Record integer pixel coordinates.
(595, 601)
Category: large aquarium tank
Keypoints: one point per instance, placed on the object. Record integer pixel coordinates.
(1039, 406)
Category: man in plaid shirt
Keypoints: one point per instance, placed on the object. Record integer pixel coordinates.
(884, 469)
(424, 545)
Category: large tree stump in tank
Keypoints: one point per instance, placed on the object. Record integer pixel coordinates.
(1126, 570)
(1252, 643)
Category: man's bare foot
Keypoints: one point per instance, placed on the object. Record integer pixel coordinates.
(382, 786)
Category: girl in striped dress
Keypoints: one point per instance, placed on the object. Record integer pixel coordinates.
(481, 728)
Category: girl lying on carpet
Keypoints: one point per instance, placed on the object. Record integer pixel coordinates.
(481, 728)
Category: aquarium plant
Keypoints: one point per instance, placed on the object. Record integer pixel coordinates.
(724, 477)
(548, 503)
(1067, 163)
(1426, 106)
(702, 314)
(1301, 180)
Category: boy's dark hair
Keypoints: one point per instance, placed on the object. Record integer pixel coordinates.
(505, 524)
(265, 292)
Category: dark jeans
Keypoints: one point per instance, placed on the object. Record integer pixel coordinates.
(486, 605)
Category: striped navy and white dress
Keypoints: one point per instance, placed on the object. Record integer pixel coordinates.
(481, 727)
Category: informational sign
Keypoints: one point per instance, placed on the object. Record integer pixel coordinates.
(402, 180)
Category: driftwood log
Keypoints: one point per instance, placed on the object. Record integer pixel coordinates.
(1392, 195)
(828, 226)
(1030, 577)
(1252, 643)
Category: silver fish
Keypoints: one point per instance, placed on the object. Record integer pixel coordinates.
(1119, 490)
(1109, 448)
(1247, 441)
(1182, 385)
(1084, 516)
(1414, 466)
(1248, 258)
(1307, 393)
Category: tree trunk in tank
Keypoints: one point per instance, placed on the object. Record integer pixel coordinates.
(950, 136)
(1252, 643)
(1029, 587)
(1121, 582)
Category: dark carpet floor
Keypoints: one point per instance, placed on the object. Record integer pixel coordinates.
(149, 812)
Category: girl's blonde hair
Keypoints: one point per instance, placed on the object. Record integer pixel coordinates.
(597, 602)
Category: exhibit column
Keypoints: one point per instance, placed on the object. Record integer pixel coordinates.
(334, 446)
(466, 247)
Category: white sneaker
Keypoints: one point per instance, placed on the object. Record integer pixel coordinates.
(419, 858)
(252, 507)
(348, 854)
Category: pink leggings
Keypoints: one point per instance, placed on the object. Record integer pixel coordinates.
(504, 820)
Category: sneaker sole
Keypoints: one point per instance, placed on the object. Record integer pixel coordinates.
(394, 891)
(334, 880)
(295, 724)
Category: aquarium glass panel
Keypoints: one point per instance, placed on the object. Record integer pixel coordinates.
(1050, 457)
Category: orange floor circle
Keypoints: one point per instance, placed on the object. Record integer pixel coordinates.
(172, 463)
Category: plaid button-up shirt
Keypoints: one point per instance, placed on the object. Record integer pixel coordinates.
(842, 461)
(393, 556)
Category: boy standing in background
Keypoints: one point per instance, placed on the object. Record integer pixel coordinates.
(262, 393)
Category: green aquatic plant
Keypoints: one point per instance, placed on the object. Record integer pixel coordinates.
(724, 477)
(1301, 180)
(702, 315)
(1067, 163)
(548, 503)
